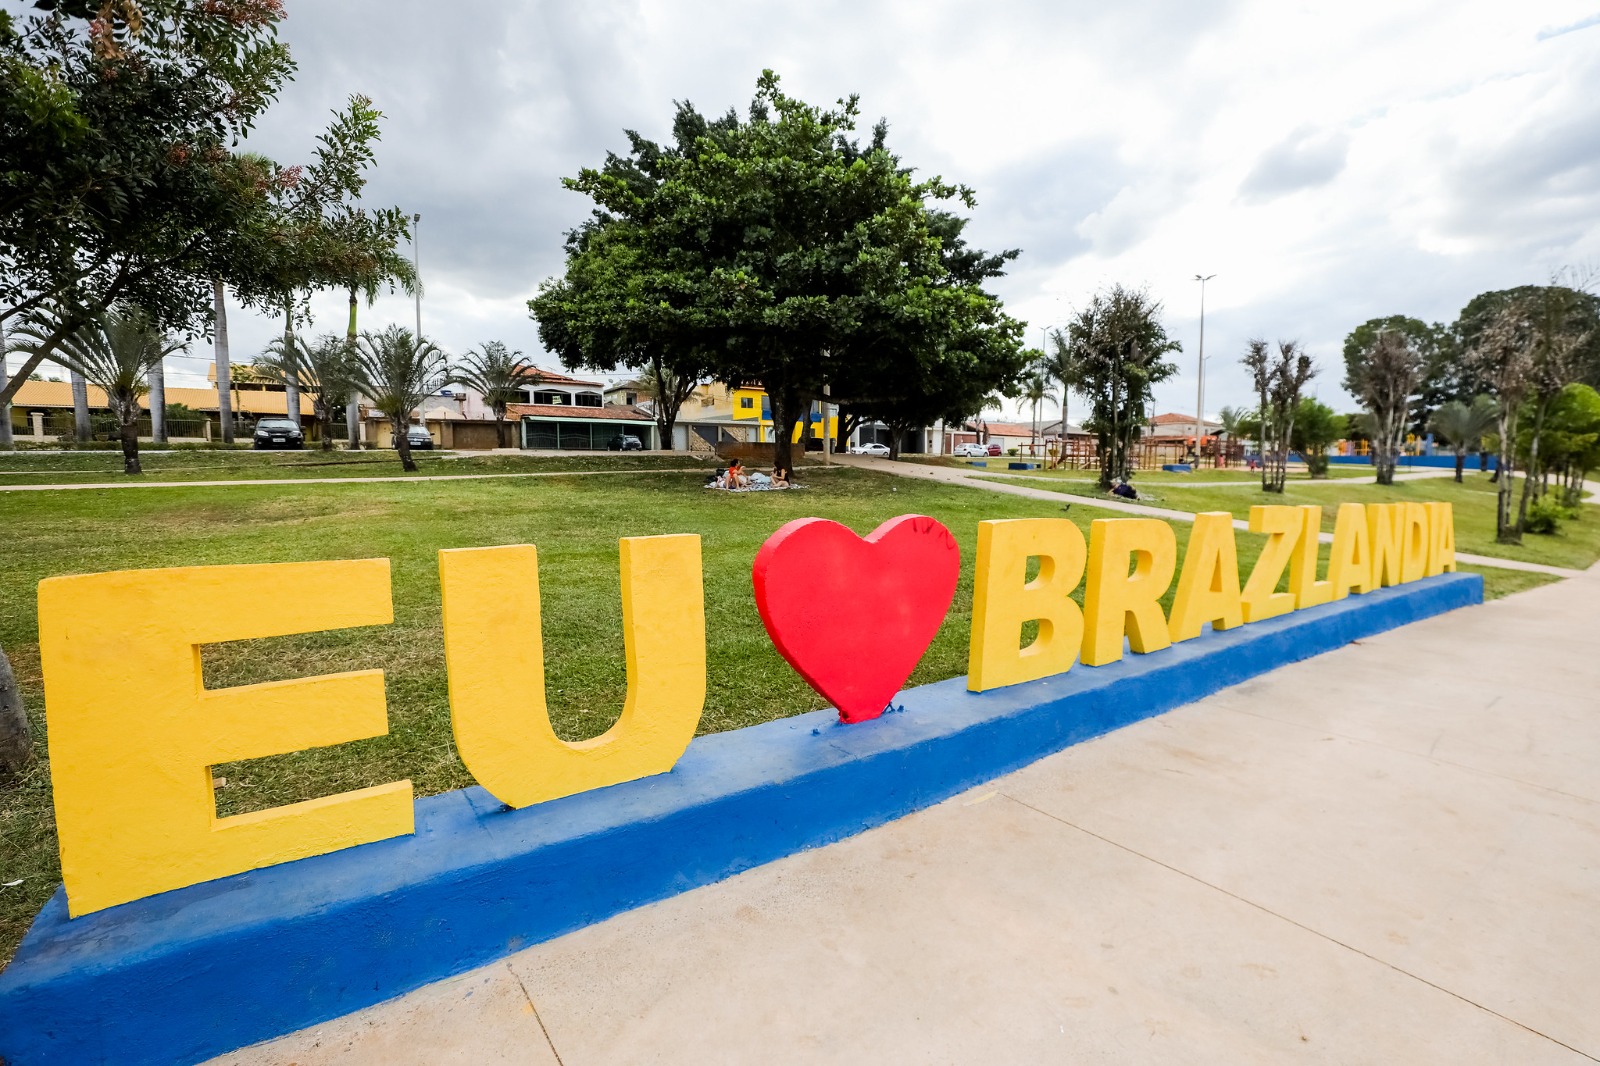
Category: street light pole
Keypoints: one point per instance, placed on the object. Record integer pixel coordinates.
(416, 266)
(1200, 371)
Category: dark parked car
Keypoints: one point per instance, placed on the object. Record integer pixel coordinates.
(279, 433)
(625, 442)
(419, 439)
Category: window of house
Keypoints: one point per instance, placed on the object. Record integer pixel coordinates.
(747, 402)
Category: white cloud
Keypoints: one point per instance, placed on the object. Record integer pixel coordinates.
(1328, 163)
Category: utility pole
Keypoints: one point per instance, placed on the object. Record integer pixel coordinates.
(1200, 370)
(416, 266)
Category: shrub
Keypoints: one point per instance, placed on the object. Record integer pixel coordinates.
(1544, 516)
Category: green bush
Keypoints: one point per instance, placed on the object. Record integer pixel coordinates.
(1545, 516)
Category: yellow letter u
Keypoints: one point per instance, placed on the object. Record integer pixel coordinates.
(494, 652)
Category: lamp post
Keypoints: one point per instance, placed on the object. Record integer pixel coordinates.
(416, 266)
(1200, 370)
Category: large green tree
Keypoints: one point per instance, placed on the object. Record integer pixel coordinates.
(119, 184)
(768, 248)
(1120, 345)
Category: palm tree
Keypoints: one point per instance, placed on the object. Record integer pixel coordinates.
(323, 371)
(1230, 420)
(498, 374)
(1463, 427)
(114, 351)
(364, 259)
(397, 371)
(1065, 364)
(1036, 390)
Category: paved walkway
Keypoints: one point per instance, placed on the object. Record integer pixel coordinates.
(980, 480)
(1388, 854)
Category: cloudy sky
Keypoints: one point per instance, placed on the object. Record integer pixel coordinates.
(1328, 163)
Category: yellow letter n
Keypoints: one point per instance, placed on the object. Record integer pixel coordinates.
(134, 732)
(494, 651)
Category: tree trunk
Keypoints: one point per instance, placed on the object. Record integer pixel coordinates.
(1505, 533)
(1461, 463)
(352, 407)
(6, 442)
(16, 738)
(130, 443)
(219, 309)
(1540, 406)
(158, 404)
(291, 367)
(402, 444)
(1483, 458)
(80, 407)
(783, 403)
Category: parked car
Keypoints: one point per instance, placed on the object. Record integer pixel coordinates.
(625, 442)
(279, 433)
(969, 450)
(881, 450)
(993, 449)
(419, 439)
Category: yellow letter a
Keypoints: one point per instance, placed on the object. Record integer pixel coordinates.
(494, 651)
(1208, 588)
(1350, 561)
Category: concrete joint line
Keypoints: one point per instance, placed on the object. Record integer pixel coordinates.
(1300, 925)
(536, 1016)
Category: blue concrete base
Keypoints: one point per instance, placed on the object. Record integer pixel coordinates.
(203, 970)
(1023, 466)
(1178, 468)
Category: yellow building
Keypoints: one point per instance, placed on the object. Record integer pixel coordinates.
(752, 404)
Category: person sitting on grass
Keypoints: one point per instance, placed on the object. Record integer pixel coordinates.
(736, 477)
(780, 477)
(1124, 490)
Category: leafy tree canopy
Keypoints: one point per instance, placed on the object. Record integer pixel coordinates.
(775, 248)
(120, 184)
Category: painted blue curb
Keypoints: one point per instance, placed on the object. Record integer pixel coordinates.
(200, 971)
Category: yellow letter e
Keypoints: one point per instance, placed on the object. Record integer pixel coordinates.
(134, 732)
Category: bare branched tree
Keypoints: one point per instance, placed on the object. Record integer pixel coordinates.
(1278, 383)
(1503, 357)
(1385, 379)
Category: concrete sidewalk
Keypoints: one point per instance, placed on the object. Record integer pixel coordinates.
(1388, 854)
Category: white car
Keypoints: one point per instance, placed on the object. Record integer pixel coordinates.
(881, 450)
(969, 450)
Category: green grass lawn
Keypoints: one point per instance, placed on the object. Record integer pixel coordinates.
(575, 522)
(79, 467)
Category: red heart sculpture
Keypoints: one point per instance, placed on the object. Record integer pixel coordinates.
(853, 616)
